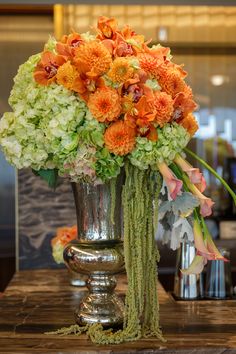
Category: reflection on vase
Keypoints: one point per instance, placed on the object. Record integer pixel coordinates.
(77, 279)
(98, 252)
(190, 286)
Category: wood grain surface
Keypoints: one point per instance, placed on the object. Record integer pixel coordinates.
(42, 300)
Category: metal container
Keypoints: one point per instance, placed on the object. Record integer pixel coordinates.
(218, 278)
(98, 252)
(187, 287)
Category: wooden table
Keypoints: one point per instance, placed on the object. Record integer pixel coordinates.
(42, 300)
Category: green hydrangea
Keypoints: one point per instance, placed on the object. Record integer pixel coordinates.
(153, 84)
(22, 80)
(79, 165)
(42, 130)
(51, 44)
(92, 133)
(57, 253)
(87, 36)
(108, 165)
(172, 138)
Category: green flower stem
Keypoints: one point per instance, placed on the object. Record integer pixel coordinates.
(209, 168)
(196, 215)
(205, 231)
(201, 222)
(180, 175)
(204, 226)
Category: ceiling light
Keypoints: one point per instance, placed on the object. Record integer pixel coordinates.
(218, 80)
(162, 34)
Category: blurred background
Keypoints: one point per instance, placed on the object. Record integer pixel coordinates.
(201, 37)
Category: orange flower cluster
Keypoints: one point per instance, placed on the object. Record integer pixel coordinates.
(131, 88)
(64, 235)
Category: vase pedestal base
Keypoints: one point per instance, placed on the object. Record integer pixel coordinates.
(101, 305)
(100, 262)
(107, 309)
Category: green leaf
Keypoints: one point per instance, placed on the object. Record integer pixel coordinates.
(50, 176)
(185, 203)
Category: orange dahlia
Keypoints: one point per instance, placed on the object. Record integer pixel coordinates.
(164, 107)
(120, 70)
(190, 124)
(172, 82)
(149, 63)
(119, 138)
(105, 104)
(167, 66)
(92, 59)
(66, 75)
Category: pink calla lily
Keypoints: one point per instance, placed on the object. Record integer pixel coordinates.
(205, 202)
(194, 174)
(199, 241)
(206, 206)
(174, 185)
(206, 250)
(212, 248)
(202, 185)
(205, 245)
(196, 266)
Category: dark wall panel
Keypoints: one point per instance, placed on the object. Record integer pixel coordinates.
(41, 211)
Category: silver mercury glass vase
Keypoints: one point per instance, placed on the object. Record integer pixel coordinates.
(98, 252)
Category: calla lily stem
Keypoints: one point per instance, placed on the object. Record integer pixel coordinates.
(179, 174)
(209, 168)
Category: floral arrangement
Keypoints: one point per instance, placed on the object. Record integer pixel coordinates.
(63, 236)
(89, 105)
(89, 102)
